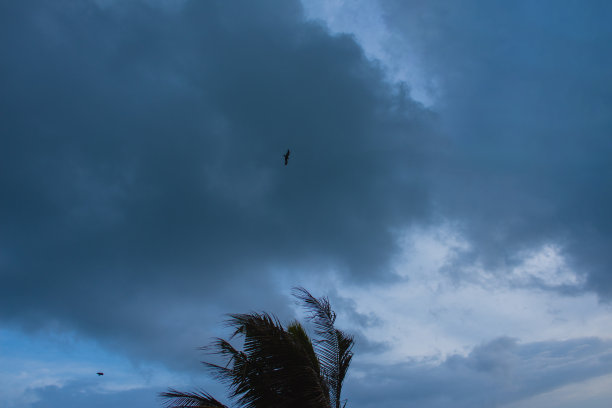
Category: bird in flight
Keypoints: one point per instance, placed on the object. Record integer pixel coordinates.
(100, 374)
(286, 156)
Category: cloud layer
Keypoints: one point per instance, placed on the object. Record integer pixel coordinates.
(493, 374)
(144, 192)
(142, 162)
(523, 93)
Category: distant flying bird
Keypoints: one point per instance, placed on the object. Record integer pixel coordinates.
(286, 156)
(100, 374)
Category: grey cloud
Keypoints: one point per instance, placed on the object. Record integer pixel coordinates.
(353, 322)
(144, 192)
(87, 393)
(525, 104)
(493, 374)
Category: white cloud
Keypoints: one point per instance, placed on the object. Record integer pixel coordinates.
(430, 314)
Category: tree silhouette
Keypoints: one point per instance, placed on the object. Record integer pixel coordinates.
(278, 367)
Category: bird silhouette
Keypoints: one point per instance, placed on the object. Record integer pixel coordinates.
(286, 156)
(100, 374)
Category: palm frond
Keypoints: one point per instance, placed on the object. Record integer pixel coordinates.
(177, 399)
(333, 347)
(277, 367)
(301, 337)
(345, 348)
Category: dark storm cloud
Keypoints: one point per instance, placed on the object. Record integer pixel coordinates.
(525, 98)
(141, 163)
(493, 374)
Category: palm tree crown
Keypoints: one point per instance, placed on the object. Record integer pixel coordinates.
(279, 367)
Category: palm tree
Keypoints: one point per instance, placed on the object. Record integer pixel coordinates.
(279, 367)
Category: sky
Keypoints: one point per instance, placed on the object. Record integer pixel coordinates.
(449, 189)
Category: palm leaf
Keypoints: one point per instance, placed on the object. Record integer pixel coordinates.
(177, 399)
(277, 367)
(345, 347)
(334, 348)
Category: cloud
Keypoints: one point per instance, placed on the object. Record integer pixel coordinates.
(492, 374)
(522, 93)
(144, 191)
(143, 174)
(78, 394)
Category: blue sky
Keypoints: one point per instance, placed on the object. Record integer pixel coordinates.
(449, 188)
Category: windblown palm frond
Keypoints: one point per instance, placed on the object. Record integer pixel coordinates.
(345, 351)
(333, 347)
(177, 399)
(278, 367)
